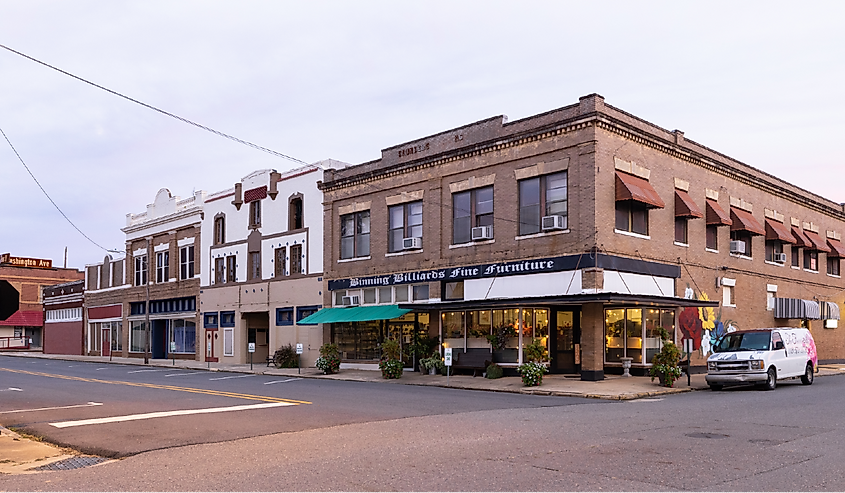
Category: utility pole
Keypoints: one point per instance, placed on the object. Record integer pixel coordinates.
(147, 304)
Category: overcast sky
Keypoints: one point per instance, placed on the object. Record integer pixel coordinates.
(759, 81)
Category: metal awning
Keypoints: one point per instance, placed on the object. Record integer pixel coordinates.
(816, 240)
(800, 238)
(837, 249)
(630, 187)
(716, 216)
(744, 221)
(354, 314)
(685, 206)
(575, 299)
(830, 310)
(793, 308)
(779, 232)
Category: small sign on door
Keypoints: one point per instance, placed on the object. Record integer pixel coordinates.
(299, 349)
(251, 347)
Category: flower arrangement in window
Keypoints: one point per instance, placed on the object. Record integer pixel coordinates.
(500, 336)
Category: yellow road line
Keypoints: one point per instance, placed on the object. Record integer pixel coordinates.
(218, 393)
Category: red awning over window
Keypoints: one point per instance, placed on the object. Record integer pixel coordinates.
(800, 239)
(837, 249)
(744, 221)
(778, 231)
(716, 216)
(818, 243)
(630, 187)
(685, 206)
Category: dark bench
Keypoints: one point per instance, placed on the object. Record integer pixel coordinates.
(269, 360)
(475, 361)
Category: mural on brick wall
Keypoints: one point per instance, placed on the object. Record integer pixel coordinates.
(703, 324)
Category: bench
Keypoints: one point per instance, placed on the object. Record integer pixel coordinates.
(475, 361)
(270, 360)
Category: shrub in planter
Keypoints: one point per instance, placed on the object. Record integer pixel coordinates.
(390, 364)
(532, 373)
(329, 360)
(533, 369)
(286, 357)
(434, 362)
(494, 371)
(664, 365)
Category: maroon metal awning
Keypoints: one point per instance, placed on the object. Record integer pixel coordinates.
(744, 221)
(630, 187)
(716, 216)
(685, 206)
(778, 231)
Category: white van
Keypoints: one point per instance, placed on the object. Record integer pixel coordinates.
(762, 356)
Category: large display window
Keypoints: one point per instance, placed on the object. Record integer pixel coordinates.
(635, 333)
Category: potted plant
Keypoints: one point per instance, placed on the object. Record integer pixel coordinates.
(329, 360)
(664, 365)
(533, 369)
(286, 357)
(391, 363)
(432, 364)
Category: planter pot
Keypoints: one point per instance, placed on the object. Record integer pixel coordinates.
(662, 378)
(432, 371)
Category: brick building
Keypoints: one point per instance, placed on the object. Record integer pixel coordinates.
(64, 329)
(22, 281)
(585, 227)
(263, 251)
(147, 303)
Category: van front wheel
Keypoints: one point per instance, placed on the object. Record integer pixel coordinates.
(771, 379)
(807, 378)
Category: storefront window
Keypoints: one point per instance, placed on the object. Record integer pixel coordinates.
(634, 336)
(357, 340)
(614, 331)
(183, 334)
(653, 343)
(116, 344)
(453, 329)
(478, 327)
(136, 337)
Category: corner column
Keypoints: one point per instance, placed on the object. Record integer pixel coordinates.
(592, 341)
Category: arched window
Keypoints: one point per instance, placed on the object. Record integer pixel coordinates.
(296, 218)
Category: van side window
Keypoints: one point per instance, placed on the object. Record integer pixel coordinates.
(775, 339)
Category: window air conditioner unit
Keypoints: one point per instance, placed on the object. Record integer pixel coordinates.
(482, 233)
(350, 301)
(551, 223)
(411, 243)
(780, 257)
(737, 246)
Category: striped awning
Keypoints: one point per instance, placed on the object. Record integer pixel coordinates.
(830, 310)
(795, 308)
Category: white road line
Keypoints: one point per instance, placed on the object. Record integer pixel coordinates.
(15, 389)
(164, 414)
(90, 404)
(98, 369)
(236, 376)
(141, 371)
(187, 373)
(282, 381)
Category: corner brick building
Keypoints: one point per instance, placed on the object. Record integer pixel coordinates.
(585, 227)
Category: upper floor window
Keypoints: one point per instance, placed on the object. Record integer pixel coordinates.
(219, 270)
(231, 269)
(632, 216)
(355, 235)
(186, 262)
(796, 256)
(741, 242)
(219, 230)
(255, 214)
(295, 213)
(811, 260)
(681, 230)
(296, 260)
(774, 251)
(540, 197)
(405, 221)
(832, 265)
(472, 209)
(162, 266)
(279, 262)
(255, 265)
(140, 270)
(712, 237)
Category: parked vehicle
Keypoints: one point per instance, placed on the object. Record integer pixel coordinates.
(762, 356)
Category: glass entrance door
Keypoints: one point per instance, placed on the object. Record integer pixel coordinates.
(565, 347)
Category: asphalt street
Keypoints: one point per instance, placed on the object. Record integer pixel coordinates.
(366, 437)
(61, 401)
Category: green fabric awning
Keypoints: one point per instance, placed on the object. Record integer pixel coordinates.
(354, 314)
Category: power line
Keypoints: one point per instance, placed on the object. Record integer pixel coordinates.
(50, 198)
(177, 117)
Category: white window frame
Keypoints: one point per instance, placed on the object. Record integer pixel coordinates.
(228, 341)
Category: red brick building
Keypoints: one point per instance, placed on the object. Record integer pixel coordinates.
(585, 227)
(63, 322)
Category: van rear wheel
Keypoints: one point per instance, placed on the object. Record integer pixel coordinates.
(771, 379)
(807, 377)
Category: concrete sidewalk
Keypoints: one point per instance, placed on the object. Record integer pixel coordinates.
(613, 387)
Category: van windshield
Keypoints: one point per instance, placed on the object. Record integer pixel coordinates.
(743, 341)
